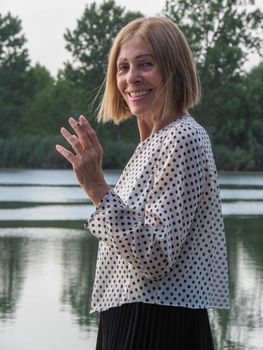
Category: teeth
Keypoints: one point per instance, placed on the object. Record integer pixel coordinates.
(139, 93)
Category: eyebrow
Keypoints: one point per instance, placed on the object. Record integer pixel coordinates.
(136, 57)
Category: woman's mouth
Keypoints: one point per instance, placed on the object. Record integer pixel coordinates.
(134, 94)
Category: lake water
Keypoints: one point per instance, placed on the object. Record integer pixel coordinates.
(47, 262)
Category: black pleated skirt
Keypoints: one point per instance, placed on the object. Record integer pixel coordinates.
(140, 326)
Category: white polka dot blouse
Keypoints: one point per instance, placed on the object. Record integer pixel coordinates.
(160, 229)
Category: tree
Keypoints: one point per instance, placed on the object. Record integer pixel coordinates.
(51, 104)
(220, 33)
(15, 87)
(253, 83)
(254, 93)
(89, 45)
(40, 78)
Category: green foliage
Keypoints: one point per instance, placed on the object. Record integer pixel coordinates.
(50, 108)
(254, 96)
(34, 105)
(15, 83)
(117, 153)
(89, 45)
(38, 151)
(32, 151)
(221, 34)
(40, 77)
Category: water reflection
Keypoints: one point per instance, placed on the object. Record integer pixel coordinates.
(47, 177)
(47, 213)
(47, 274)
(13, 261)
(45, 283)
(47, 267)
(241, 327)
(79, 263)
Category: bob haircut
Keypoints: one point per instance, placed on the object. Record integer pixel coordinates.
(181, 85)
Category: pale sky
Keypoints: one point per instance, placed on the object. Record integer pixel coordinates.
(44, 23)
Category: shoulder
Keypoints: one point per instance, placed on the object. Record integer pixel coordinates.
(185, 133)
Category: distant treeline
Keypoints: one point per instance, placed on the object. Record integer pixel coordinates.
(35, 151)
(34, 105)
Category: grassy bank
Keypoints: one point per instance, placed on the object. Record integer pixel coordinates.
(39, 152)
(36, 151)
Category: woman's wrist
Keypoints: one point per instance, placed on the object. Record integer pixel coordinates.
(97, 192)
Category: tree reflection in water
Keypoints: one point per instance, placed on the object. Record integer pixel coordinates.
(241, 326)
(72, 254)
(79, 262)
(13, 262)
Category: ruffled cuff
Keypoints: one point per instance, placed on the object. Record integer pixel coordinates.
(110, 197)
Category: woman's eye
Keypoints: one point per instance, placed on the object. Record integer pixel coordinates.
(146, 64)
(122, 68)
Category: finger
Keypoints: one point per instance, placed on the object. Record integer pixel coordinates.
(81, 132)
(88, 128)
(85, 133)
(66, 154)
(72, 140)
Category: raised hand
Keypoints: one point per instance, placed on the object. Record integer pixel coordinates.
(86, 159)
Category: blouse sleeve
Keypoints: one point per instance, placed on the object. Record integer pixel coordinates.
(152, 243)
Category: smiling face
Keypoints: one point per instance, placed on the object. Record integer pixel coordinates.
(139, 79)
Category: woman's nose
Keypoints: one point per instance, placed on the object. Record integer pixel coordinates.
(133, 76)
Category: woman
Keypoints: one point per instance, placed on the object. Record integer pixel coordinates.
(162, 257)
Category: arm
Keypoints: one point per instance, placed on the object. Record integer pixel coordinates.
(152, 244)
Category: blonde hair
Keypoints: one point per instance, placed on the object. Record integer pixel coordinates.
(181, 86)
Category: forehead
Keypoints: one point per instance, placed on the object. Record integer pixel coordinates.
(134, 48)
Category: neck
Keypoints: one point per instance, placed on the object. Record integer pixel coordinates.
(159, 124)
(147, 126)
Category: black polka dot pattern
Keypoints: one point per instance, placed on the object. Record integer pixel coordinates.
(161, 229)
